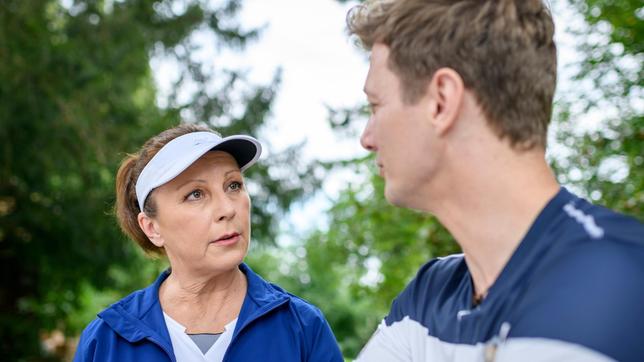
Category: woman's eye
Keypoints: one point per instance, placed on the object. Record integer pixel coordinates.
(194, 195)
(235, 186)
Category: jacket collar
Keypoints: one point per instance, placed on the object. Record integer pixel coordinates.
(261, 298)
(139, 315)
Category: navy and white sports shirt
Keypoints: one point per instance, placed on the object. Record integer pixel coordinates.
(572, 291)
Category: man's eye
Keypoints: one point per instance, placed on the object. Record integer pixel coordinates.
(194, 195)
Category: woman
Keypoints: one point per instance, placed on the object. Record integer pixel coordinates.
(183, 196)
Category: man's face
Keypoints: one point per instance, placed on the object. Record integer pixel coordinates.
(400, 134)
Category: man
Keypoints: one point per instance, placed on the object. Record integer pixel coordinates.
(461, 95)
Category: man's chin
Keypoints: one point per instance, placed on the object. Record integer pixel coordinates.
(403, 199)
(394, 197)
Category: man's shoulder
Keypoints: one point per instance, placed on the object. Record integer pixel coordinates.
(594, 248)
(593, 253)
(439, 277)
(582, 219)
(441, 269)
(607, 269)
(438, 274)
(589, 289)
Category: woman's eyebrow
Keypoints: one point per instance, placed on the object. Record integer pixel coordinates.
(232, 171)
(189, 181)
(202, 181)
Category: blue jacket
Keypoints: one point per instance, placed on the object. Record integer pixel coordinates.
(272, 326)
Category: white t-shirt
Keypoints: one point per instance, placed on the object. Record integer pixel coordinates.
(185, 349)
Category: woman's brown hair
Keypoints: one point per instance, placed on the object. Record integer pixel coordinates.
(127, 207)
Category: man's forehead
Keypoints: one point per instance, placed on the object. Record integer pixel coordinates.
(369, 88)
(377, 68)
(379, 54)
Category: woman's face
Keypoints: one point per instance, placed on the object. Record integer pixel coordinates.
(203, 216)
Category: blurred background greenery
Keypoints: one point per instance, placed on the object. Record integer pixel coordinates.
(77, 93)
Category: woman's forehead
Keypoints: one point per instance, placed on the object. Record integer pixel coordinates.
(218, 157)
(211, 161)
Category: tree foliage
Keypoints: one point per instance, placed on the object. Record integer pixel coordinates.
(605, 161)
(77, 93)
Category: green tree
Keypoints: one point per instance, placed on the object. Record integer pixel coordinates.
(605, 162)
(77, 93)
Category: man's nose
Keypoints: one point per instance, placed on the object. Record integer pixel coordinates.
(366, 139)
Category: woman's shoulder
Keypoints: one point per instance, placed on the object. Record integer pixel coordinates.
(131, 307)
(305, 308)
(308, 315)
(95, 332)
(315, 329)
(124, 322)
(98, 328)
(269, 292)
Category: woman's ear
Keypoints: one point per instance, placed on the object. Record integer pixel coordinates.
(150, 228)
(447, 90)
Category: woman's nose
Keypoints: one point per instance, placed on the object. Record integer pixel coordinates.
(225, 209)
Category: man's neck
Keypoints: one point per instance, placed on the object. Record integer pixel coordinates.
(492, 206)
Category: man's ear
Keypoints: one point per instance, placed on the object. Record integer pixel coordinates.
(447, 91)
(150, 228)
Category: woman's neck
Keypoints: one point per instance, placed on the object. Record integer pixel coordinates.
(203, 305)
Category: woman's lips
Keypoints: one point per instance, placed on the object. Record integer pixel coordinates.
(228, 239)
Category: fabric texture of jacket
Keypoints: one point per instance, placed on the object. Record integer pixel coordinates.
(273, 325)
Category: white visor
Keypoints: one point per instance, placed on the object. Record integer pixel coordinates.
(178, 154)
